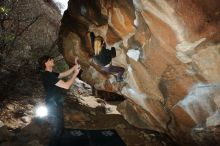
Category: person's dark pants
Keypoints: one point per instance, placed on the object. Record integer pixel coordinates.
(115, 69)
(55, 117)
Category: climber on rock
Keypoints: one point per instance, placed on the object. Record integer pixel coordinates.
(103, 57)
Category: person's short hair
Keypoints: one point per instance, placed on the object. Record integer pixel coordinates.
(42, 60)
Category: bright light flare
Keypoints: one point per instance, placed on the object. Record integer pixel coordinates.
(41, 111)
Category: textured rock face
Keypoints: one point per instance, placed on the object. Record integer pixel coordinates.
(35, 25)
(170, 50)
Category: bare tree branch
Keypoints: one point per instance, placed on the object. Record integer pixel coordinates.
(26, 28)
(11, 25)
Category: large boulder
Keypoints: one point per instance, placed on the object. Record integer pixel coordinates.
(170, 50)
(33, 28)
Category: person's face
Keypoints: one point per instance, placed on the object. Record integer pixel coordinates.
(50, 62)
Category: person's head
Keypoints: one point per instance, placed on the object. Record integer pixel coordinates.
(98, 44)
(46, 61)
